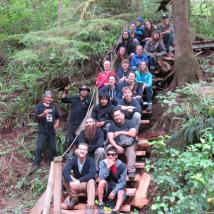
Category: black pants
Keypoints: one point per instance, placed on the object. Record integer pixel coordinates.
(72, 127)
(41, 140)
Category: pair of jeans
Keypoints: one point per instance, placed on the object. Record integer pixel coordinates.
(43, 138)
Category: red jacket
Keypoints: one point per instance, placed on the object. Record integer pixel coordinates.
(103, 78)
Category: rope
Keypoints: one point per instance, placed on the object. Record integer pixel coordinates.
(81, 125)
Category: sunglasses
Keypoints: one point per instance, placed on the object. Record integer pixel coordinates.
(111, 154)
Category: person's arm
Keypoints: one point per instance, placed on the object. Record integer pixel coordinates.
(40, 114)
(99, 80)
(103, 170)
(146, 49)
(162, 49)
(131, 133)
(121, 182)
(67, 170)
(94, 113)
(110, 136)
(149, 81)
(65, 98)
(137, 106)
(133, 63)
(91, 173)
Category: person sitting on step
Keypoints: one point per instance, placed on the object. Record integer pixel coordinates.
(112, 183)
(138, 57)
(139, 29)
(149, 28)
(136, 87)
(94, 138)
(113, 90)
(122, 135)
(102, 112)
(81, 180)
(121, 55)
(144, 77)
(123, 71)
(102, 79)
(155, 49)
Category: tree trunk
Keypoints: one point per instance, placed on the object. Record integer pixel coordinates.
(59, 15)
(187, 69)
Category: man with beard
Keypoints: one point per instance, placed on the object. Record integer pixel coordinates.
(94, 138)
(81, 180)
(47, 116)
(154, 48)
(79, 106)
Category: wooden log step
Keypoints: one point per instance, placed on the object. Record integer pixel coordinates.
(129, 191)
(143, 144)
(144, 122)
(81, 207)
(140, 165)
(140, 153)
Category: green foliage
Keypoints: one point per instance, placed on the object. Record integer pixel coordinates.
(185, 179)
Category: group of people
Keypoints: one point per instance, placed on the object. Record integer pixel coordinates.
(110, 132)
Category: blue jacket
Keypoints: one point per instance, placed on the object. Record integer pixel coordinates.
(119, 181)
(136, 60)
(139, 32)
(88, 170)
(144, 78)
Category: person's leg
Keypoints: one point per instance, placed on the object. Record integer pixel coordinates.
(131, 158)
(91, 192)
(71, 132)
(41, 139)
(136, 118)
(98, 156)
(121, 196)
(167, 39)
(149, 93)
(101, 188)
(52, 146)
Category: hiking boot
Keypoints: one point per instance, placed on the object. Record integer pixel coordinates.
(131, 175)
(71, 202)
(101, 208)
(90, 210)
(34, 168)
(115, 211)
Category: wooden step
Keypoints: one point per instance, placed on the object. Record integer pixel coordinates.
(140, 153)
(129, 191)
(81, 207)
(143, 144)
(144, 122)
(139, 165)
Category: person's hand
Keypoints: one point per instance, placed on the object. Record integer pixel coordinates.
(120, 149)
(110, 163)
(111, 196)
(105, 84)
(137, 97)
(74, 184)
(46, 112)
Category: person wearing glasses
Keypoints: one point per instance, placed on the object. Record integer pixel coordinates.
(112, 182)
(121, 135)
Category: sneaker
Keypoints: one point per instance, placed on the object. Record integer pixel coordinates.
(131, 175)
(90, 210)
(71, 202)
(115, 211)
(101, 208)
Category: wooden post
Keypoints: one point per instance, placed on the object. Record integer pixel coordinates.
(38, 207)
(49, 190)
(57, 184)
(140, 199)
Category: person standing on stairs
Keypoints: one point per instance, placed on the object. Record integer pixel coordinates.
(47, 116)
(81, 180)
(122, 135)
(79, 106)
(112, 182)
